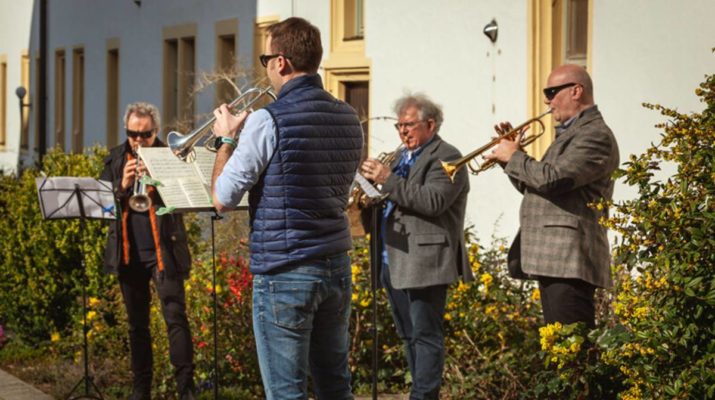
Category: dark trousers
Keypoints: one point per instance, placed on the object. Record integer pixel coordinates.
(418, 315)
(567, 301)
(134, 282)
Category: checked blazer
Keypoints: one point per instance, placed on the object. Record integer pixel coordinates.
(424, 235)
(560, 235)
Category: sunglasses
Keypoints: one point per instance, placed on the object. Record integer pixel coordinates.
(550, 92)
(264, 58)
(136, 134)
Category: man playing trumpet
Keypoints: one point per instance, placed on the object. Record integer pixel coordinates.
(421, 234)
(143, 246)
(560, 243)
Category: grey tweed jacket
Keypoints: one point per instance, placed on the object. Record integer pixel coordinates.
(559, 234)
(424, 235)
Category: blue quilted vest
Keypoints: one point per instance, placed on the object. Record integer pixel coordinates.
(297, 207)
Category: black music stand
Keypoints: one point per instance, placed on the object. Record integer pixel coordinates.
(71, 197)
(375, 199)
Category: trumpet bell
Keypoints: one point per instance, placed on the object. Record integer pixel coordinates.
(183, 145)
(140, 202)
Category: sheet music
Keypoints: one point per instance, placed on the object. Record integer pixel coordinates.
(182, 184)
(367, 187)
(204, 164)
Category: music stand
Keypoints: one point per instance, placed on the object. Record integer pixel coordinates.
(68, 198)
(375, 198)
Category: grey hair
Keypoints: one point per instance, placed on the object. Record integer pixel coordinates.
(426, 107)
(143, 109)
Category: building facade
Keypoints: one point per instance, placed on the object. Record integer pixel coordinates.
(103, 55)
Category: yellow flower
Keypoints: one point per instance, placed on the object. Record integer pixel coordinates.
(490, 310)
(487, 280)
(93, 301)
(365, 302)
(55, 337)
(447, 316)
(355, 297)
(535, 295)
(91, 315)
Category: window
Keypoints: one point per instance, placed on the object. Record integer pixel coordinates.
(226, 39)
(78, 100)
(559, 33)
(60, 98)
(354, 26)
(357, 94)
(112, 95)
(25, 82)
(179, 71)
(575, 47)
(259, 40)
(3, 101)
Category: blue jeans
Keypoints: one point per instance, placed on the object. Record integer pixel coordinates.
(300, 321)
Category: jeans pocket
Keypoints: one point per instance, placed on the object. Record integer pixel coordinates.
(293, 302)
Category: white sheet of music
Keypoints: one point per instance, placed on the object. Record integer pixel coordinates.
(182, 184)
(367, 187)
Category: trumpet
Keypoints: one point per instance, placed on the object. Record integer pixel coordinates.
(451, 167)
(183, 145)
(358, 197)
(140, 200)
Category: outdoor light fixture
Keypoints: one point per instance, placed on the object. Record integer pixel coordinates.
(20, 92)
(491, 30)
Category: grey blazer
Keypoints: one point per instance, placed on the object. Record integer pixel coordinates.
(424, 235)
(559, 234)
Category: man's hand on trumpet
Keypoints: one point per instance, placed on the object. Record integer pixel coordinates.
(508, 145)
(227, 124)
(375, 171)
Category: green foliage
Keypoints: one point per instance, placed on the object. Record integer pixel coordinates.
(40, 268)
(665, 261)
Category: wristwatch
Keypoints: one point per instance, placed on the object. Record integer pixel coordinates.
(221, 140)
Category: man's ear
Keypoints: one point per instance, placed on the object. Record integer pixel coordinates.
(284, 66)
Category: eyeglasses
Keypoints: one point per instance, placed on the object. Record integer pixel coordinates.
(264, 58)
(136, 134)
(550, 92)
(409, 125)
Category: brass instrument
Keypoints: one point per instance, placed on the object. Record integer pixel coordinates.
(183, 145)
(140, 200)
(451, 167)
(358, 197)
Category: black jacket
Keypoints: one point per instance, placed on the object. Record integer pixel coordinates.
(172, 233)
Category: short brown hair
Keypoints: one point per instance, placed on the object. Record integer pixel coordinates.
(299, 41)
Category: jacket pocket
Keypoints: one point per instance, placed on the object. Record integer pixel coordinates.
(562, 221)
(430, 238)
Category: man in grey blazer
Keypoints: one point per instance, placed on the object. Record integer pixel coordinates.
(422, 237)
(561, 243)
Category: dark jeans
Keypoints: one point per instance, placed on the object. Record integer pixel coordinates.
(567, 301)
(418, 315)
(134, 283)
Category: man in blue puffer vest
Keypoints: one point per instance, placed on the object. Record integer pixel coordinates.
(297, 159)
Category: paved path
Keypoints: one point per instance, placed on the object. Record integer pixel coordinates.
(12, 388)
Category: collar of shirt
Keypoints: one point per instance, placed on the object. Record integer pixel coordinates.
(561, 128)
(410, 154)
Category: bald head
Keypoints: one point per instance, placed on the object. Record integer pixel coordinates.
(577, 74)
(569, 91)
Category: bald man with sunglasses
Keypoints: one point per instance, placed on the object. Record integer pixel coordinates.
(560, 242)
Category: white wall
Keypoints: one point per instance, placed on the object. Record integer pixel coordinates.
(654, 51)
(15, 22)
(441, 51)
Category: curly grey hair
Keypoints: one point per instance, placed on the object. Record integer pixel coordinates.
(426, 107)
(143, 109)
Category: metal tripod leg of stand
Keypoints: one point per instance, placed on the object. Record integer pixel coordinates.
(86, 378)
(375, 258)
(214, 218)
